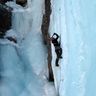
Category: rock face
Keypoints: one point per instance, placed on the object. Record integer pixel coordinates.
(5, 18)
(4, 1)
(46, 36)
(6, 14)
(21, 2)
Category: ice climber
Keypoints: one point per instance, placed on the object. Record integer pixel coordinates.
(57, 46)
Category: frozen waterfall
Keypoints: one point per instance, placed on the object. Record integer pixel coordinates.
(23, 66)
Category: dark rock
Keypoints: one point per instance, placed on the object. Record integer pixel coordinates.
(21, 2)
(46, 36)
(12, 39)
(5, 18)
(4, 1)
(2, 34)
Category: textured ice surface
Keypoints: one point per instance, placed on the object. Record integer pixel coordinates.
(75, 20)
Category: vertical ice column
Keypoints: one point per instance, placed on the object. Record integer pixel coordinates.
(29, 3)
(22, 20)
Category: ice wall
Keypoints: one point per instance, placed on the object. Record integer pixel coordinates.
(21, 63)
(12, 71)
(27, 24)
(58, 26)
(77, 27)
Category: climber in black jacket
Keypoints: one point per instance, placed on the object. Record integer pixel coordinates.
(57, 46)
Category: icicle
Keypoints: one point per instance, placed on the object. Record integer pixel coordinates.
(29, 3)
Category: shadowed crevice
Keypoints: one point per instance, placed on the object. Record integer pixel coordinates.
(46, 36)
